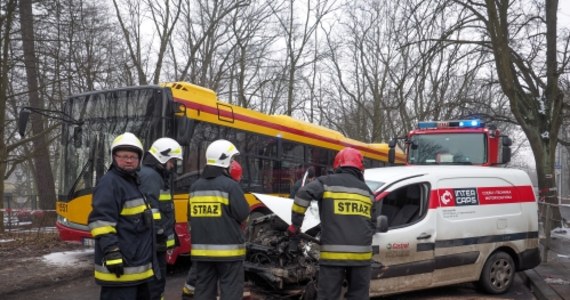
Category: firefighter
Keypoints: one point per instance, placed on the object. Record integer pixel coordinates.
(155, 174)
(121, 223)
(217, 209)
(236, 172)
(345, 206)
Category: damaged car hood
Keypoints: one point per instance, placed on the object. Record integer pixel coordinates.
(282, 208)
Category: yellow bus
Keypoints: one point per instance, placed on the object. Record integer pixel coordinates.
(275, 150)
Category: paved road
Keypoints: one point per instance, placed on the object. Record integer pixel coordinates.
(85, 289)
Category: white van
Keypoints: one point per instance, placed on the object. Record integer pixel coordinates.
(452, 224)
(445, 225)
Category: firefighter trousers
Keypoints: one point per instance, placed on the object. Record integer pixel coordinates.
(332, 279)
(229, 275)
(134, 292)
(157, 286)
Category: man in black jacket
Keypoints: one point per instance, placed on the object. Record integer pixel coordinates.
(345, 208)
(236, 173)
(154, 175)
(121, 223)
(217, 209)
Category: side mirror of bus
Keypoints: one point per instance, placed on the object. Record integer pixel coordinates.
(23, 121)
(184, 125)
(381, 223)
(392, 151)
(506, 149)
(77, 137)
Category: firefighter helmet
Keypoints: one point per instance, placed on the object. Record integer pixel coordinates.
(220, 152)
(349, 157)
(165, 149)
(127, 141)
(236, 171)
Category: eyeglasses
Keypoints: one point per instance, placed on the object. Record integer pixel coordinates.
(127, 157)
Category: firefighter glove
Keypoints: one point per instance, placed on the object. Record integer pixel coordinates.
(292, 230)
(114, 262)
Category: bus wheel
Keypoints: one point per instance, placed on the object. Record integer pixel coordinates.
(498, 273)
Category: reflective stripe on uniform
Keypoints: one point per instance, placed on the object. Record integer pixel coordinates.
(156, 214)
(349, 201)
(165, 195)
(343, 189)
(347, 196)
(208, 204)
(170, 241)
(209, 197)
(346, 252)
(102, 227)
(299, 209)
(345, 256)
(114, 261)
(130, 274)
(133, 207)
(300, 205)
(234, 250)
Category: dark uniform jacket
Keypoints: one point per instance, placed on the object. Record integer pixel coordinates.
(155, 185)
(345, 208)
(217, 209)
(121, 218)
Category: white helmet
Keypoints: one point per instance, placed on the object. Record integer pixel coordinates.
(219, 153)
(164, 149)
(127, 141)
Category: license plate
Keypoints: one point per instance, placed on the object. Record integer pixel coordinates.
(88, 242)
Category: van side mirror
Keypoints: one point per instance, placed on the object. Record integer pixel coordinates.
(381, 223)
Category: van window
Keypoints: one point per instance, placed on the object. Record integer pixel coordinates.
(405, 205)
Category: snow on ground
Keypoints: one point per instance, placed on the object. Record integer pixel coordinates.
(68, 258)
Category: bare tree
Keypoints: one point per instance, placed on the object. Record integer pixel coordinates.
(42, 167)
(523, 40)
(202, 47)
(298, 35)
(253, 40)
(164, 16)
(6, 21)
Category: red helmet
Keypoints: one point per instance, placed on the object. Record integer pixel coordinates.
(348, 157)
(235, 171)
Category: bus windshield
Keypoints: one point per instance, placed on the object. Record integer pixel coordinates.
(448, 148)
(85, 154)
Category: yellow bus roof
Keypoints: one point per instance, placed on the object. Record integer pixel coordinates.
(202, 104)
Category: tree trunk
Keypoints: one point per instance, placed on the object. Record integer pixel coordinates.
(41, 163)
(6, 25)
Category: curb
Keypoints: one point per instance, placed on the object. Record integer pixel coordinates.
(538, 286)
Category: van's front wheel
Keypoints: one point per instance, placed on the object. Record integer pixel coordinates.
(498, 273)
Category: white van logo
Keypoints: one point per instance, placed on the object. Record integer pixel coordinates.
(446, 198)
(458, 197)
(466, 197)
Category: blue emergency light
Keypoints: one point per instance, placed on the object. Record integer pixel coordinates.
(475, 123)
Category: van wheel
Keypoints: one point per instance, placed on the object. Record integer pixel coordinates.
(498, 273)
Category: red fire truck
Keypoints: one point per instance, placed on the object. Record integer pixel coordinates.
(457, 142)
